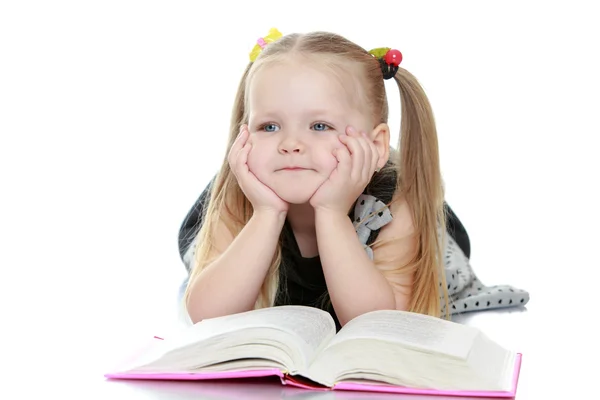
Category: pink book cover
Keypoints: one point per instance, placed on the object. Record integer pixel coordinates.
(300, 382)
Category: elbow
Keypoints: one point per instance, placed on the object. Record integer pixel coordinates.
(193, 313)
(197, 306)
(190, 303)
(194, 318)
(197, 303)
(196, 312)
(200, 309)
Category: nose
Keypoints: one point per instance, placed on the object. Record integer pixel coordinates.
(291, 145)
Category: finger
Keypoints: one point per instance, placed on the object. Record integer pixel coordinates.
(240, 166)
(344, 161)
(374, 155)
(357, 156)
(361, 159)
(362, 170)
(351, 131)
(243, 157)
(245, 150)
(242, 136)
(239, 153)
(238, 143)
(366, 162)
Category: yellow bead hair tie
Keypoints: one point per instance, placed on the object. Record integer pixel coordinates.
(273, 35)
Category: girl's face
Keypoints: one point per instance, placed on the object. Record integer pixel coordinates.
(296, 113)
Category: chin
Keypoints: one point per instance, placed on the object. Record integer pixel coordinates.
(295, 196)
(294, 188)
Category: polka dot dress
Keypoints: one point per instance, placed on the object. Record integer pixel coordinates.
(466, 292)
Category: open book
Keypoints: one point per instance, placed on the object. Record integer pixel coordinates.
(385, 351)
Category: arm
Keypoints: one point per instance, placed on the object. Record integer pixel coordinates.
(231, 283)
(356, 284)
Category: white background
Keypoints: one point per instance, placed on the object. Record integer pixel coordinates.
(114, 115)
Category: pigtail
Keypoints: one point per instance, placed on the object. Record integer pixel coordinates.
(420, 180)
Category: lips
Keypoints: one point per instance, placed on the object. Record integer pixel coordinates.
(293, 168)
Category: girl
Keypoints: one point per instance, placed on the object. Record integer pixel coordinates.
(313, 206)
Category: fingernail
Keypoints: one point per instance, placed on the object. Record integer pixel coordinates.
(351, 130)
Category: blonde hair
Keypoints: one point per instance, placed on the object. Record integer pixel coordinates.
(415, 166)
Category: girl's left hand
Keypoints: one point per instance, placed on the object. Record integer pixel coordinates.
(357, 160)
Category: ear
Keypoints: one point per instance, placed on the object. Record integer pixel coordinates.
(380, 136)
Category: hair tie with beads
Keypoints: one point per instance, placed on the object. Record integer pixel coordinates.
(389, 60)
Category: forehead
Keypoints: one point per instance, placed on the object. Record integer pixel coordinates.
(300, 85)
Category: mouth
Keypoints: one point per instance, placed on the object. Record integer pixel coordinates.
(294, 169)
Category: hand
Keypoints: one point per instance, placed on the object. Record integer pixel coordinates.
(261, 196)
(357, 160)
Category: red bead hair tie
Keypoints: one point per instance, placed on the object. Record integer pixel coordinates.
(389, 60)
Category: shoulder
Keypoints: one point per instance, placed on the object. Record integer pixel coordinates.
(396, 240)
(395, 248)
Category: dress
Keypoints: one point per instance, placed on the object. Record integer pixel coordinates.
(302, 278)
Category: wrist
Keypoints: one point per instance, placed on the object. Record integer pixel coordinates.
(269, 215)
(330, 214)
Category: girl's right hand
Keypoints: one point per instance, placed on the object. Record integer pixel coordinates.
(261, 196)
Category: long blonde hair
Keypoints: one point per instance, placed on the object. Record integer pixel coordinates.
(415, 165)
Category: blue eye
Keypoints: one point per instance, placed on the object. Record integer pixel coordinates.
(319, 126)
(270, 127)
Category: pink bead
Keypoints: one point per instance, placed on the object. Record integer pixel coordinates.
(393, 57)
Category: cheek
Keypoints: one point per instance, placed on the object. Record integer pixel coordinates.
(328, 160)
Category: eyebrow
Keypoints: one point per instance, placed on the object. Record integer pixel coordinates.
(309, 112)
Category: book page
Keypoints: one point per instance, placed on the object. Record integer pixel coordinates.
(417, 331)
(415, 350)
(312, 326)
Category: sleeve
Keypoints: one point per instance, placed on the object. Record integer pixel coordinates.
(458, 232)
(191, 225)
